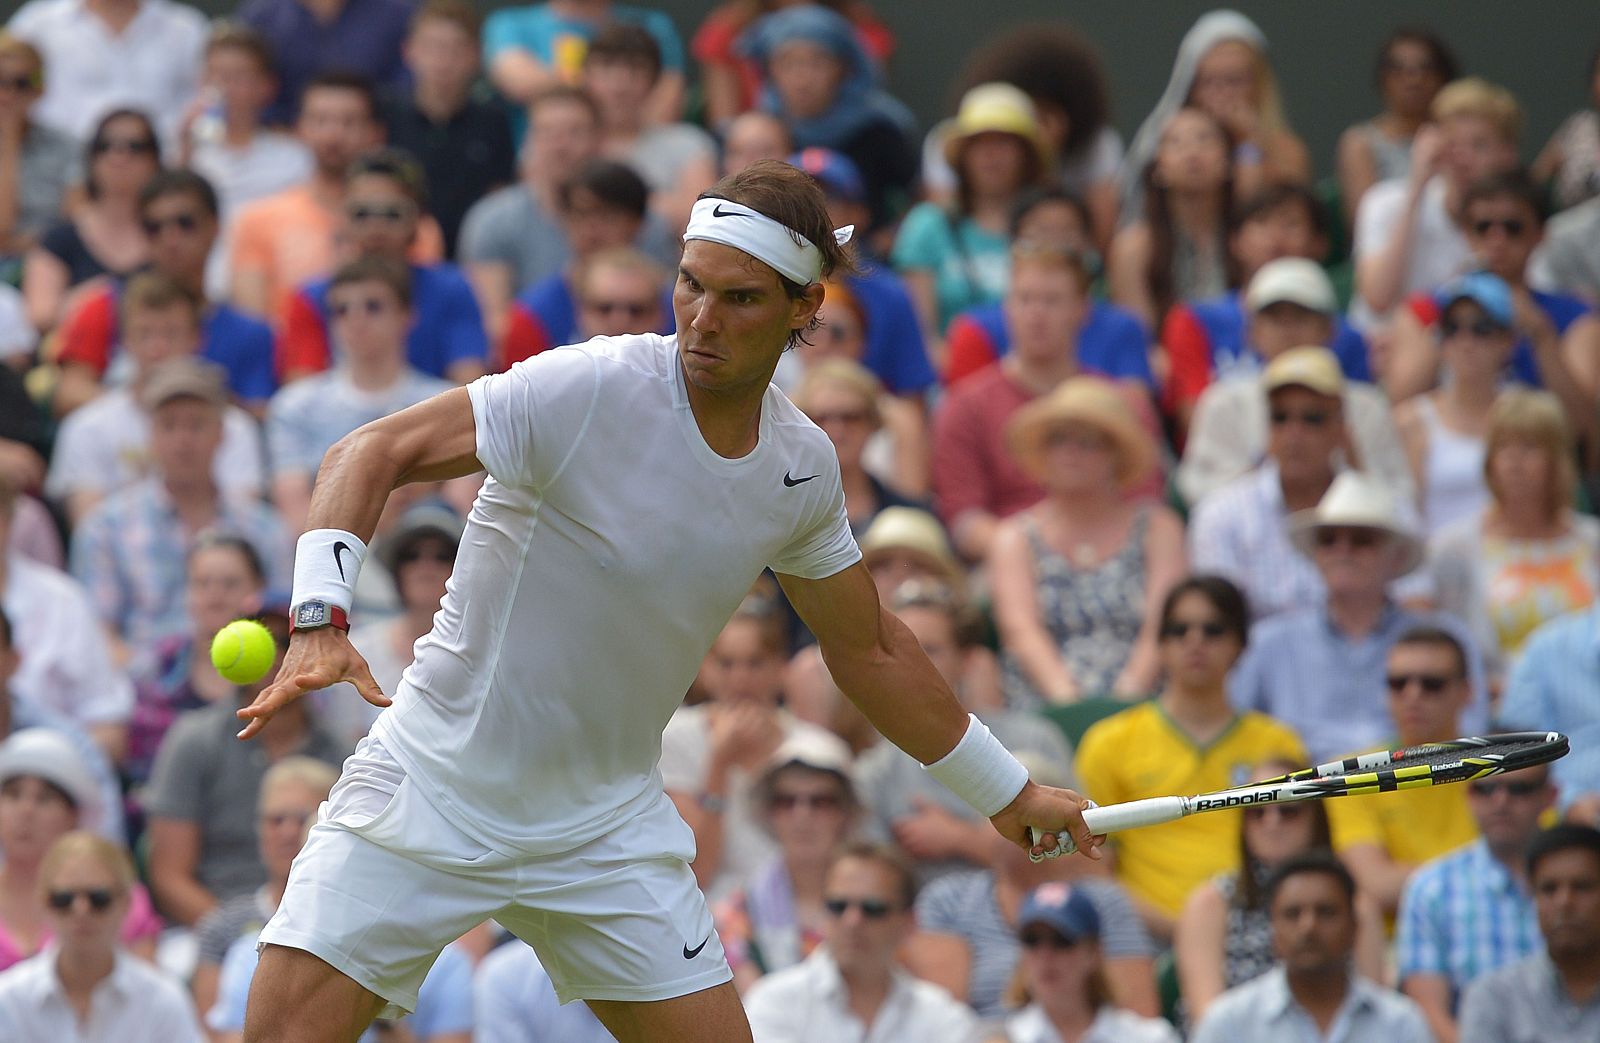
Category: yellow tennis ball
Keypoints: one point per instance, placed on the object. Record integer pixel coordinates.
(243, 651)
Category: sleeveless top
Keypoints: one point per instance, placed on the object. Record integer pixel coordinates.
(1093, 614)
(1247, 941)
(1452, 471)
(1390, 158)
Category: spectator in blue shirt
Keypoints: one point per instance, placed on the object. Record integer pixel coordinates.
(1558, 335)
(528, 49)
(1553, 687)
(1051, 216)
(384, 205)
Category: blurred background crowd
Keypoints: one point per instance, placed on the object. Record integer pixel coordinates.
(1189, 461)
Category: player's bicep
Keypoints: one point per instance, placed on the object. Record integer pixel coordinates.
(432, 441)
(842, 610)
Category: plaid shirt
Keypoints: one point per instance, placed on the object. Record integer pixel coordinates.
(130, 553)
(1463, 916)
(1241, 531)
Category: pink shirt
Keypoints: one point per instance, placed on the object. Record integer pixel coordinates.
(140, 923)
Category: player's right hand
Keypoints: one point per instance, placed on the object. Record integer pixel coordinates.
(316, 659)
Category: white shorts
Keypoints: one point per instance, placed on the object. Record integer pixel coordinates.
(385, 882)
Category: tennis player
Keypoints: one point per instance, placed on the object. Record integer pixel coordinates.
(637, 487)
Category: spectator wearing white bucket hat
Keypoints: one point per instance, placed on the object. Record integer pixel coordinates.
(1320, 669)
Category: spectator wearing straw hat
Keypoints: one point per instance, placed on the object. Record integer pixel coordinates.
(1290, 303)
(955, 258)
(904, 544)
(1078, 577)
(1320, 668)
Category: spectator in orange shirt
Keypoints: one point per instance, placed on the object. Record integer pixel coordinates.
(287, 238)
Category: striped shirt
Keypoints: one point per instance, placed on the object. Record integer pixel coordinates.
(1462, 916)
(1241, 531)
(1555, 686)
(964, 904)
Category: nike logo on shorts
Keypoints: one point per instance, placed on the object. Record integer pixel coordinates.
(792, 482)
(690, 954)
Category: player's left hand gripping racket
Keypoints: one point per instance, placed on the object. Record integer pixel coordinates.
(1431, 764)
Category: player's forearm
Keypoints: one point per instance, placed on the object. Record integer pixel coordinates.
(901, 692)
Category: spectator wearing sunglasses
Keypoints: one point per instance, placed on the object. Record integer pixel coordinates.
(42, 162)
(1241, 530)
(809, 806)
(1224, 935)
(87, 986)
(620, 291)
(1314, 992)
(1471, 912)
(1556, 335)
(1320, 668)
(419, 556)
(1548, 996)
(384, 208)
(1188, 739)
(602, 207)
(1290, 303)
(1385, 837)
(103, 236)
(852, 987)
(49, 787)
(1060, 984)
(370, 307)
(179, 212)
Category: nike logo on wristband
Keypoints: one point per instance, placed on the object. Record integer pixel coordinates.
(690, 954)
(338, 547)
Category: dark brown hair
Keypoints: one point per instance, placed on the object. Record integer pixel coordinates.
(791, 197)
(1439, 54)
(153, 291)
(1437, 637)
(1163, 229)
(565, 93)
(1055, 67)
(625, 42)
(236, 36)
(889, 858)
(385, 270)
(458, 13)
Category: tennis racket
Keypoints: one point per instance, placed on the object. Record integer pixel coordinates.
(1430, 764)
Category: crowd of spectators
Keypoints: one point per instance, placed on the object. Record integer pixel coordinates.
(1186, 465)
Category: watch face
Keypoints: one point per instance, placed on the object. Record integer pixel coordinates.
(311, 614)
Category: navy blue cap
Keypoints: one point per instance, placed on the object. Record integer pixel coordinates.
(1063, 909)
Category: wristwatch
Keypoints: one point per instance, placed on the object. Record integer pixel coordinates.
(314, 615)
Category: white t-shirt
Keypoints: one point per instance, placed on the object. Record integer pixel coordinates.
(1439, 250)
(136, 1004)
(603, 555)
(104, 446)
(66, 665)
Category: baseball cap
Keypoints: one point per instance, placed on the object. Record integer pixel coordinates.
(49, 755)
(1485, 289)
(1062, 908)
(838, 173)
(184, 378)
(1308, 367)
(1292, 280)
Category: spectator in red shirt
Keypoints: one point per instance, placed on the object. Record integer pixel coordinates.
(179, 212)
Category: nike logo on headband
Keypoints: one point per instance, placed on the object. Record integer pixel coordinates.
(717, 211)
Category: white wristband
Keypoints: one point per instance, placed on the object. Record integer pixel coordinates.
(980, 770)
(326, 563)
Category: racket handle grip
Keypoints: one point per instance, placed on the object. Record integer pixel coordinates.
(1149, 812)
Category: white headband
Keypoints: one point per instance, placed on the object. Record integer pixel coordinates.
(732, 224)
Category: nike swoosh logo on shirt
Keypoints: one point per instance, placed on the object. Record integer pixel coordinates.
(690, 954)
(339, 548)
(792, 482)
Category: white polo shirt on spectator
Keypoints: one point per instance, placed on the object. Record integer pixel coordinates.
(152, 65)
(135, 1004)
(810, 1003)
(66, 664)
(1265, 1011)
(1439, 250)
(105, 445)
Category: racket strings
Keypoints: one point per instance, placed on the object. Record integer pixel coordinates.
(1445, 754)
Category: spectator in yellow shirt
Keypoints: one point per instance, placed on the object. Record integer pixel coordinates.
(1188, 739)
(1383, 837)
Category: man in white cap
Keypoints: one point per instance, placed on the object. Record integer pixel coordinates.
(1241, 530)
(1320, 669)
(637, 488)
(1290, 303)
